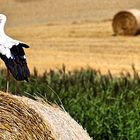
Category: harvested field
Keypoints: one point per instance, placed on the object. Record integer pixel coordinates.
(75, 33)
(82, 45)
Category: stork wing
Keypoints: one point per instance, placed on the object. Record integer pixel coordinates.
(16, 63)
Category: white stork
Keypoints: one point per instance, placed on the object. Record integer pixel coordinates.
(13, 55)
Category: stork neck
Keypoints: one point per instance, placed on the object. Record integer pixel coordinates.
(2, 29)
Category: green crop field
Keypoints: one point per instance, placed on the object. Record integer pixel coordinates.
(107, 107)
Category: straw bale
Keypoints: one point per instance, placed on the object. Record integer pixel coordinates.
(127, 22)
(60, 123)
(22, 118)
(19, 122)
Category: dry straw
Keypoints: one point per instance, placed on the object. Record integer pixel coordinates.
(22, 118)
(127, 22)
(19, 122)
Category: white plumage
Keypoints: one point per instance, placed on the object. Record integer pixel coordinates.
(6, 42)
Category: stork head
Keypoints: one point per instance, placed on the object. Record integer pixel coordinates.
(2, 19)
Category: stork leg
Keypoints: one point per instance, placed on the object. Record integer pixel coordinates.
(7, 80)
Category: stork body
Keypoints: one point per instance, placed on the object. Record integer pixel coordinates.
(13, 55)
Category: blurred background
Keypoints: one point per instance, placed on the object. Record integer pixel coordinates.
(28, 12)
(77, 33)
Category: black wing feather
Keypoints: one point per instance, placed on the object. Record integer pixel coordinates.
(17, 65)
(24, 45)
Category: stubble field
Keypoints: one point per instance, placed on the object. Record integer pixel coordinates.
(75, 33)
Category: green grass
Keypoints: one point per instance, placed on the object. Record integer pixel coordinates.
(108, 107)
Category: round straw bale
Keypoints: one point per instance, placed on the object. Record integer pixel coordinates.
(19, 122)
(60, 123)
(127, 22)
(22, 118)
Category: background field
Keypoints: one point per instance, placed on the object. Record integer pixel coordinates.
(77, 33)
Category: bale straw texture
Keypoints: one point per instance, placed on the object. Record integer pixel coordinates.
(22, 118)
(127, 22)
(19, 122)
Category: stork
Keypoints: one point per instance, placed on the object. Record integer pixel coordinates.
(13, 55)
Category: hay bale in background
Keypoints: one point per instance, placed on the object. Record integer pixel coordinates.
(127, 22)
(22, 118)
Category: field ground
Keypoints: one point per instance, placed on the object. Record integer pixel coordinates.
(79, 45)
(74, 33)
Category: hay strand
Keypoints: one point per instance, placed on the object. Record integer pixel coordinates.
(127, 22)
(22, 118)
